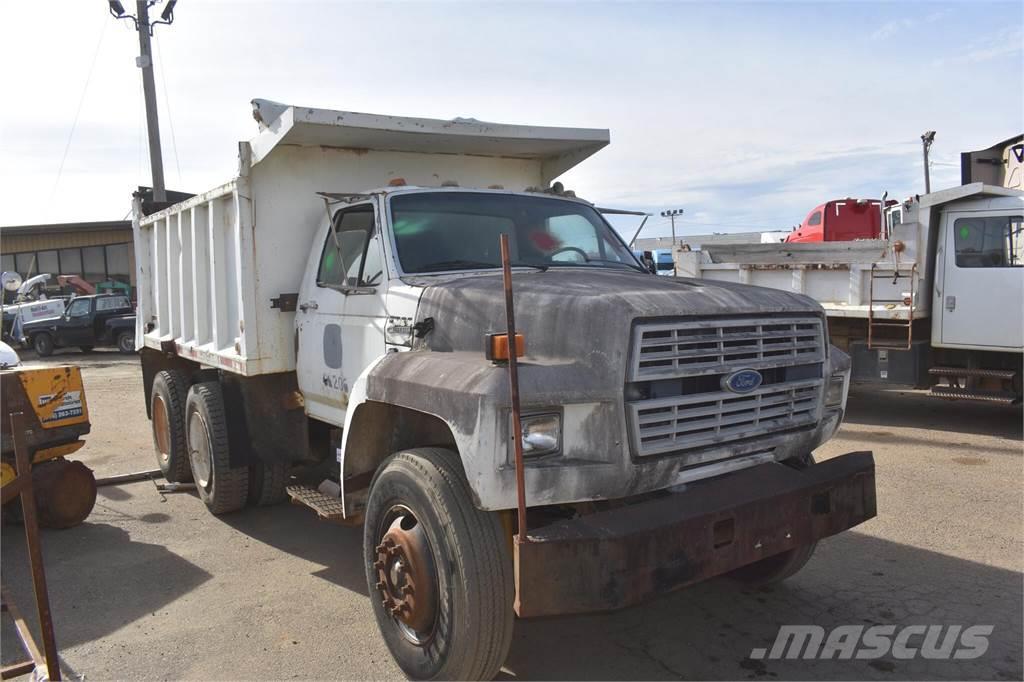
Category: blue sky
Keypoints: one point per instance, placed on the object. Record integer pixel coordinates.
(745, 115)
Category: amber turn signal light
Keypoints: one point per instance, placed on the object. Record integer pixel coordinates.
(496, 347)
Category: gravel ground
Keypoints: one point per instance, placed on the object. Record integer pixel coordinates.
(153, 587)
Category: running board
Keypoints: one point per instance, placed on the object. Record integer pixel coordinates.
(326, 507)
(979, 373)
(951, 393)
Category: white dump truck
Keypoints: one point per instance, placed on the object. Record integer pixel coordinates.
(937, 302)
(303, 334)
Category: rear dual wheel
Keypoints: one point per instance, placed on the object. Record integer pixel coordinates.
(222, 487)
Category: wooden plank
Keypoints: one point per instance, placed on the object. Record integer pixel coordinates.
(862, 251)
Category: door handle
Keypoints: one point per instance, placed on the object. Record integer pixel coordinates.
(309, 305)
(951, 303)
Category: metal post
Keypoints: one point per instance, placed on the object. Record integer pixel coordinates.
(671, 215)
(145, 62)
(513, 382)
(35, 553)
(673, 248)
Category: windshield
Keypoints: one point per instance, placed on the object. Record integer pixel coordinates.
(438, 231)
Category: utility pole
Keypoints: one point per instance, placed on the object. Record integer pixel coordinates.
(926, 143)
(671, 215)
(144, 61)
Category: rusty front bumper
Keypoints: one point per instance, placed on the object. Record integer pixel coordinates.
(623, 556)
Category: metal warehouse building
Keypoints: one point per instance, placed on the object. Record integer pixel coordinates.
(96, 251)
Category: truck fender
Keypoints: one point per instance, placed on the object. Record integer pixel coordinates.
(378, 425)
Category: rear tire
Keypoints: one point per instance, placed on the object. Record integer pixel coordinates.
(43, 345)
(267, 483)
(126, 342)
(460, 567)
(167, 409)
(222, 488)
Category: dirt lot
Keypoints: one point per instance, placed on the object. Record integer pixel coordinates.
(153, 587)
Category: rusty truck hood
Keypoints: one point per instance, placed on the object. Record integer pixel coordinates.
(573, 311)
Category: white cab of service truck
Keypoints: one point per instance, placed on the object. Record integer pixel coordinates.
(322, 327)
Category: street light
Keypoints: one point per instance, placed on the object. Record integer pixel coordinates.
(671, 215)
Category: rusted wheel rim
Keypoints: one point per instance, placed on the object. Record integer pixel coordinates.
(199, 450)
(406, 577)
(161, 428)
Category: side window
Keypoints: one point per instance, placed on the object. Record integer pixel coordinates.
(79, 308)
(112, 303)
(354, 259)
(815, 219)
(989, 242)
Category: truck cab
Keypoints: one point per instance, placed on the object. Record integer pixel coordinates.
(840, 220)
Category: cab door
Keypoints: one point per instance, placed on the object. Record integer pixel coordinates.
(340, 314)
(982, 280)
(76, 328)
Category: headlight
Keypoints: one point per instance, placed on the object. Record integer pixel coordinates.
(542, 434)
(835, 395)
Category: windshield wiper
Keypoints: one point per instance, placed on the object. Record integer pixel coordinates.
(473, 265)
(601, 260)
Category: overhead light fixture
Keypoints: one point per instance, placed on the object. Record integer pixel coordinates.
(116, 8)
(168, 13)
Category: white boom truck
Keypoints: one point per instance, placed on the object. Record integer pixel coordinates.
(937, 302)
(344, 349)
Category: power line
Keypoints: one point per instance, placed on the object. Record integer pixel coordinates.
(78, 111)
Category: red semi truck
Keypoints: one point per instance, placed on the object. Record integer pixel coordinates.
(840, 220)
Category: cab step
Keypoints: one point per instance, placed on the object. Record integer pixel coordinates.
(978, 373)
(326, 507)
(952, 393)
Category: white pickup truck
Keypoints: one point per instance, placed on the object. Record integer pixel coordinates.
(305, 335)
(937, 302)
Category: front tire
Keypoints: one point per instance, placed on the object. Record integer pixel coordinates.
(222, 488)
(43, 345)
(775, 569)
(439, 570)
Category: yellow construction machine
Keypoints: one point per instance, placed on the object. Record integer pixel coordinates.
(45, 408)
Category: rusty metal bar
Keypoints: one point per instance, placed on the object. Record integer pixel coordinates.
(35, 553)
(129, 478)
(28, 644)
(513, 382)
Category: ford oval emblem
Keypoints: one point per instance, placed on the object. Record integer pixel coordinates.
(742, 381)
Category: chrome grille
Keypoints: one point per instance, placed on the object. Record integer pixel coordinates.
(682, 365)
(665, 350)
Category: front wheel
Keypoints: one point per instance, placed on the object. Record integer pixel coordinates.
(439, 570)
(776, 568)
(43, 345)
